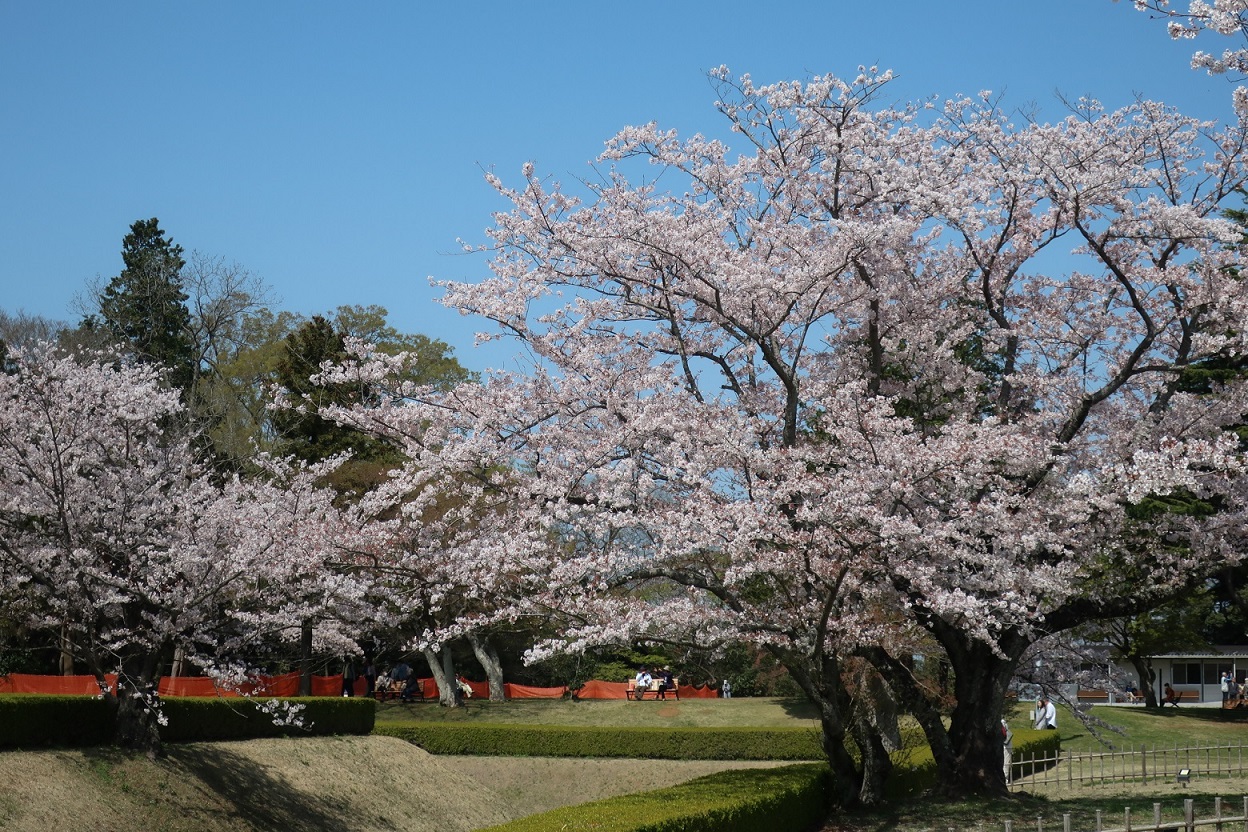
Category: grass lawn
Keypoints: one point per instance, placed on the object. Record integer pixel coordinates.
(688, 713)
(1125, 727)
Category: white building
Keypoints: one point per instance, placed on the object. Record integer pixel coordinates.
(1199, 672)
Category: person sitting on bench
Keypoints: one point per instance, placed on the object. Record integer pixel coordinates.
(666, 682)
(644, 680)
(1169, 696)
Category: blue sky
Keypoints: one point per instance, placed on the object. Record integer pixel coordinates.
(336, 150)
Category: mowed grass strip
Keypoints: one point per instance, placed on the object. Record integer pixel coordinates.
(1136, 726)
(759, 712)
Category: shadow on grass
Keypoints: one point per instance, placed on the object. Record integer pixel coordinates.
(799, 708)
(1216, 715)
(267, 802)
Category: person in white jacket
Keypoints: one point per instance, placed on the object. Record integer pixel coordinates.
(1046, 713)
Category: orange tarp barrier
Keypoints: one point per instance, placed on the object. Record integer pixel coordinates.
(526, 692)
(65, 685)
(595, 689)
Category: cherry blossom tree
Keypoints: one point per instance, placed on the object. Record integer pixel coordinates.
(1223, 17)
(894, 376)
(111, 532)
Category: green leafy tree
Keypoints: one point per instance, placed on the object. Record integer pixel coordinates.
(307, 435)
(144, 307)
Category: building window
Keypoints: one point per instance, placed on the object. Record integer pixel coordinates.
(1187, 674)
(1213, 672)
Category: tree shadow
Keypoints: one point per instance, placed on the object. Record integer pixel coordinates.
(266, 801)
(799, 708)
(1203, 714)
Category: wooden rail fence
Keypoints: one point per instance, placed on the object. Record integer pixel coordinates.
(1140, 764)
(1188, 823)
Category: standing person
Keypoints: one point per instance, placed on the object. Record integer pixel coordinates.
(1226, 688)
(725, 689)
(348, 677)
(1007, 752)
(370, 676)
(1046, 713)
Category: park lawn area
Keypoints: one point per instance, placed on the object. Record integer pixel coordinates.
(1136, 726)
(752, 712)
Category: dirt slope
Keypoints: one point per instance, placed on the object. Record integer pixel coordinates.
(340, 784)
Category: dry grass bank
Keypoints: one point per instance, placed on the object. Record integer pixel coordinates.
(338, 784)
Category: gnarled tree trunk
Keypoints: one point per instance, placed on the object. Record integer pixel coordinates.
(442, 666)
(820, 680)
(488, 657)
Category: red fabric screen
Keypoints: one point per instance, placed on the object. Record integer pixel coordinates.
(595, 689)
(527, 692)
(67, 685)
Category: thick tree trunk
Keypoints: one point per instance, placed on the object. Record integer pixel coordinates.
(137, 703)
(305, 659)
(442, 666)
(877, 766)
(488, 657)
(1148, 677)
(67, 652)
(916, 700)
(820, 680)
(981, 678)
(452, 680)
(881, 708)
(969, 752)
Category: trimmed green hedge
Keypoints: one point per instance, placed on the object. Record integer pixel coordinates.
(1030, 744)
(194, 719)
(594, 741)
(755, 800)
(30, 720)
(747, 800)
(40, 720)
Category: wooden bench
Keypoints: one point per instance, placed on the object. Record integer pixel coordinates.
(1093, 696)
(1184, 696)
(653, 691)
(394, 690)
